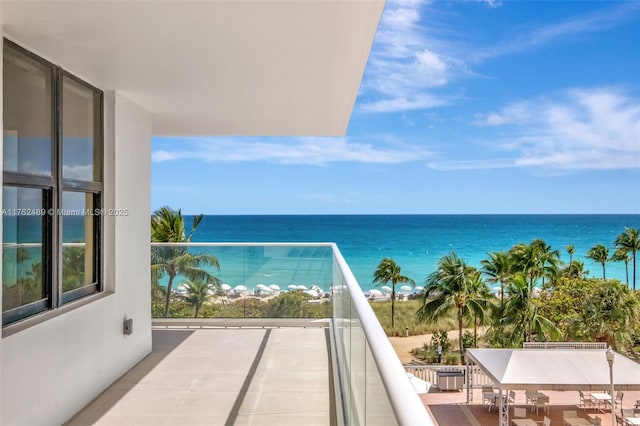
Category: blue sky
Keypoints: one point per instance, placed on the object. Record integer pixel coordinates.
(465, 107)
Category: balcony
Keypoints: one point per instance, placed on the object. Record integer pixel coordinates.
(337, 370)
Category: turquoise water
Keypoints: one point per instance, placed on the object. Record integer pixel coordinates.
(417, 242)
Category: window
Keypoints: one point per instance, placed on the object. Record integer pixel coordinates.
(52, 186)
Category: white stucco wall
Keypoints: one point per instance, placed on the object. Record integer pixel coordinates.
(51, 370)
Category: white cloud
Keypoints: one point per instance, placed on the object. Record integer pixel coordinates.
(311, 151)
(601, 20)
(582, 129)
(78, 171)
(406, 63)
(401, 103)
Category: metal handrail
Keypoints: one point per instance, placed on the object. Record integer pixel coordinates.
(407, 406)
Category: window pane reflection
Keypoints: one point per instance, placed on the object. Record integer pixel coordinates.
(22, 260)
(78, 241)
(80, 106)
(27, 115)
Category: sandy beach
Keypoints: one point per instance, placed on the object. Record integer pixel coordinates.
(403, 345)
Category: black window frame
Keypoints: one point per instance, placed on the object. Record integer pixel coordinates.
(53, 187)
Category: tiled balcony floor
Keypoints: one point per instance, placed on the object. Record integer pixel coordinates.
(277, 376)
(450, 408)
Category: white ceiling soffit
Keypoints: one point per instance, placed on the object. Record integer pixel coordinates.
(290, 67)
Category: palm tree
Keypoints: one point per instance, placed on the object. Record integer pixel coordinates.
(196, 292)
(571, 250)
(167, 225)
(630, 241)
(522, 317)
(388, 271)
(535, 261)
(575, 270)
(549, 259)
(453, 290)
(622, 255)
(498, 269)
(179, 262)
(480, 316)
(599, 254)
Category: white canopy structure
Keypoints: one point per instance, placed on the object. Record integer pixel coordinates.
(555, 369)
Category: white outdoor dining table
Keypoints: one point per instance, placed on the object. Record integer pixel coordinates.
(632, 420)
(601, 397)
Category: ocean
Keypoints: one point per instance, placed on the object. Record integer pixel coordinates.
(417, 242)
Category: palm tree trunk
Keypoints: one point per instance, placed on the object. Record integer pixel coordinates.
(197, 310)
(393, 308)
(475, 331)
(634, 270)
(460, 345)
(167, 300)
(604, 275)
(626, 271)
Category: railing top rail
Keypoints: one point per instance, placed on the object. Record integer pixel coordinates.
(250, 244)
(406, 403)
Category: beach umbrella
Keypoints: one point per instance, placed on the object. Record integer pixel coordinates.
(375, 292)
(225, 287)
(405, 289)
(263, 288)
(292, 287)
(274, 287)
(386, 289)
(302, 287)
(419, 289)
(240, 289)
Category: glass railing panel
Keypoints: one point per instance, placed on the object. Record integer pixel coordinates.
(376, 388)
(253, 280)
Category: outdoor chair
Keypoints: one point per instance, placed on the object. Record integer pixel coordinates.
(586, 402)
(568, 414)
(488, 396)
(618, 398)
(530, 398)
(619, 421)
(637, 404)
(512, 397)
(628, 412)
(542, 402)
